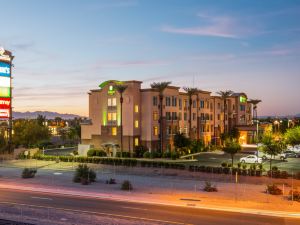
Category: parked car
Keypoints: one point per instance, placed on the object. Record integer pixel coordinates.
(251, 159)
(265, 156)
(290, 154)
(295, 148)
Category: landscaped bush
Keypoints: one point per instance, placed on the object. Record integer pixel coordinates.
(84, 174)
(126, 186)
(273, 190)
(147, 155)
(174, 155)
(166, 154)
(209, 187)
(224, 164)
(124, 154)
(111, 181)
(28, 173)
(295, 195)
(96, 152)
(140, 150)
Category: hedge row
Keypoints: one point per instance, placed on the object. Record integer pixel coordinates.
(225, 170)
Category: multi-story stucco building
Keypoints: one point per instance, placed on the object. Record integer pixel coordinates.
(141, 116)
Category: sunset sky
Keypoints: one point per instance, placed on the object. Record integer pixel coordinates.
(65, 48)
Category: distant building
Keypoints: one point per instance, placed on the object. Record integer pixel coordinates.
(141, 116)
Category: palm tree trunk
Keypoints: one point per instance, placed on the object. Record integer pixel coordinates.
(121, 123)
(197, 105)
(190, 116)
(161, 122)
(224, 123)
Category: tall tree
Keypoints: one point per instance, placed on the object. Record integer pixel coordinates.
(41, 119)
(292, 136)
(272, 146)
(225, 95)
(232, 147)
(160, 87)
(121, 89)
(254, 102)
(191, 92)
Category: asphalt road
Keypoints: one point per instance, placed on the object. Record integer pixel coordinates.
(137, 211)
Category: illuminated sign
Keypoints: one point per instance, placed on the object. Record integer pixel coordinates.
(243, 99)
(4, 113)
(4, 81)
(5, 92)
(111, 90)
(4, 69)
(5, 103)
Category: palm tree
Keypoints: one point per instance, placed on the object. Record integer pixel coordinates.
(254, 102)
(232, 147)
(225, 95)
(191, 92)
(121, 89)
(160, 86)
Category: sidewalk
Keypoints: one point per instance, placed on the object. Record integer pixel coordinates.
(170, 190)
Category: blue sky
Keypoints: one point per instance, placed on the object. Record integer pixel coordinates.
(64, 48)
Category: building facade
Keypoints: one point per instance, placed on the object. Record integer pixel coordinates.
(203, 119)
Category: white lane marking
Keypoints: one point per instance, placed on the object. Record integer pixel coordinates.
(57, 173)
(34, 197)
(126, 207)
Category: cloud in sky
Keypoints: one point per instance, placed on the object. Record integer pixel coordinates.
(214, 26)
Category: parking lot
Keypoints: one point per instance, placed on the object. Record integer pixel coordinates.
(215, 159)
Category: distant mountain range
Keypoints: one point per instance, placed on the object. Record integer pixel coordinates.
(47, 114)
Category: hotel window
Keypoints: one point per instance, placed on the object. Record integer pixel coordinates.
(136, 141)
(111, 116)
(185, 103)
(112, 101)
(174, 101)
(218, 116)
(194, 103)
(155, 115)
(168, 101)
(114, 131)
(180, 115)
(174, 116)
(154, 100)
(233, 107)
(211, 106)
(168, 116)
(211, 117)
(185, 116)
(201, 104)
(242, 107)
(219, 105)
(155, 131)
(180, 103)
(169, 130)
(136, 108)
(202, 116)
(194, 116)
(136, 124)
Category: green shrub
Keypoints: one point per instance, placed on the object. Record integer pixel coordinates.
(140, 150)
(147, 155)
(174, 155)
(96, 152)
(239, 165)
(224, 164)
(124, 154)
(84, 174)
(244, 166)
(126, 186)
(273, 190)
(295, 195)
(209, 187)
(28, 173)
(166, 154)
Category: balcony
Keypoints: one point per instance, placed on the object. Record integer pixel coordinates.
(112, 108)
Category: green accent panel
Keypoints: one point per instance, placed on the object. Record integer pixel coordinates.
(243, 99)
(103, 84)
(104, 117)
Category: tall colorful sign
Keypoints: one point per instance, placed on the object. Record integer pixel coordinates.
(5, 85)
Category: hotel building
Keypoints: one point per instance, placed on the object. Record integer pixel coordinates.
(141, 116)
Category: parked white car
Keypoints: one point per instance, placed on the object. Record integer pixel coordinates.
(295, 148)
(251, 159)
(265, 156)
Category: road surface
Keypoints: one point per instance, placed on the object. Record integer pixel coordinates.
(138, 211)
